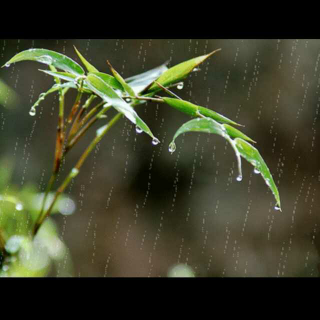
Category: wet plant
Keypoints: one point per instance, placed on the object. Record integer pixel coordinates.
(98, 92)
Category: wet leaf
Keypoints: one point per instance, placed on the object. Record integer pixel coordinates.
(196, 111)
(252, 155)
(206, 125)
(124, 84)
(86, 63)
(235, 133)
(110, 80)
(48, 57)
(61, 75)
(179, 72)
(107, 93)
(141, 81)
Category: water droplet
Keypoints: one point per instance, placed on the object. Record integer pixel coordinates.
(19, 206)
(239, 178)
(128, 100)
(7, 65)
(277, 208)
(256, 171)
(196, 69)
(180, 86)
(32, 111)
(74, 172)
(5, 268)
(172, 147)
(155, 141)
(138, 129)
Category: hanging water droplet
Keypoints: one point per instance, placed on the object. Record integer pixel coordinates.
(32, 111)
(172, 147)
(277, 208)
(155, 141)
(128, 100)
(138, 129)
(239, 178)
(180, 86)
(256, 171)
(196, 69)
(5, 268)
(19, 206)
(7, 65)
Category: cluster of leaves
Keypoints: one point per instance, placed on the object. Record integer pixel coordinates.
(124, 95)
(21, 254)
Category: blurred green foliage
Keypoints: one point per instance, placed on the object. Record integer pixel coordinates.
(20, 255)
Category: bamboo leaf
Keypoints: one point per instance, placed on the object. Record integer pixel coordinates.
(252, 155)
(141, 81)
(180, 71)
(48, 57)
(86, 63)
(107, 93)
(61, 75)
(207, 125)
(241, 147)
(235, 133)
(125, 86)
(110, 80)
(196, 111)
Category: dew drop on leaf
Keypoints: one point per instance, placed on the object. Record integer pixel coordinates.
(277, 208)
(155, 141)
(32, 112)
(256, 171)
(172, 147)
(239, 178)
(138, 129)
(180, 86)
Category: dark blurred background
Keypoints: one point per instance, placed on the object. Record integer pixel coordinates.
(140, 210)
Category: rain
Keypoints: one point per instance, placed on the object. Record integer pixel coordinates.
(144, 207)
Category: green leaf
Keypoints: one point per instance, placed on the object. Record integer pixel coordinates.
(141, 81)
(125, 86)
(180, 71)
(87, 64)
(61, 75)
(105, 91)
(207, 125)
(48, 57)
(196, 111)
(110, 80)
(235, 133)
(252, 155)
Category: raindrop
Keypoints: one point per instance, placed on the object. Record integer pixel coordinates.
(128, 100)
(196, 69)
(5, 268)
(277, 208)
(74, 172)
(239, 178)
(138, 129)
(256, 171)
(19, 206)
(155, 141)
(7, 65)
(180, 86)
(32, 111)
(172, 147)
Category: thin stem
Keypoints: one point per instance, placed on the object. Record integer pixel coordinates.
(167, 90)
(74, 172)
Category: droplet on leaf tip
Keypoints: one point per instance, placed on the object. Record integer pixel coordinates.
(239, 178)
(180, 86)
(32, 112)
(277, 208)
(138, 130)
(155, 141)
(256, 171)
